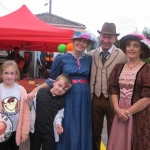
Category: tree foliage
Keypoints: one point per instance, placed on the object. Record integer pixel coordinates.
(146, 32)
(147, 60)
(117, 44)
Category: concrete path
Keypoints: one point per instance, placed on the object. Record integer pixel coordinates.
(25, 145)
(104, 133)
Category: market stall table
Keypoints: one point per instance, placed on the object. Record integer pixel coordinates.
(30, 84)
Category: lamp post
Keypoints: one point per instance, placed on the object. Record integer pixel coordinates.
(50, 5)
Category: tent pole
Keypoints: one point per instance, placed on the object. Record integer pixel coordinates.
(35, 65)
(50, 6)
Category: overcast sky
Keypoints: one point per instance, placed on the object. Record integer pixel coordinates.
(126, 14)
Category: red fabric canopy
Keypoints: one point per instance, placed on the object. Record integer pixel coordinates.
(23, 29)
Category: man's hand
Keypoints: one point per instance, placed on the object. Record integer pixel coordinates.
(59, 129)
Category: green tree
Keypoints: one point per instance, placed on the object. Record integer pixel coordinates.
(117, 44)
(146, 32)
(147, 60)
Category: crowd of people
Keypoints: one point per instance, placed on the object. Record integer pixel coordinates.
(67, 111)
(44, 62)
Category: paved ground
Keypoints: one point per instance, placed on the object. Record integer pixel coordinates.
(26, 145)
(104, 134)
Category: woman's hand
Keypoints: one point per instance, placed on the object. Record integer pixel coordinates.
(121, 114)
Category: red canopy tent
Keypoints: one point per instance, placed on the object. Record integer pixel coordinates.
(23, 29)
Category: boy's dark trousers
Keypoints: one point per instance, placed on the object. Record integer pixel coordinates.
(38, 140)
(10, 144)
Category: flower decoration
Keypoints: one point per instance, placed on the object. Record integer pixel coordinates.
(143, 39)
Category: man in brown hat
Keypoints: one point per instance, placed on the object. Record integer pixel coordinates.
(104, 60)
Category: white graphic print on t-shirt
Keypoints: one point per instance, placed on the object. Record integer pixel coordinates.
(11, 103)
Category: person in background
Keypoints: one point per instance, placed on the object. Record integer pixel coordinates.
(129, 86)
(42, 62)
(13, 105)
(48, 102)
(77, 121)
(104, 60)
(26, 65)
(14, 55)
(49, 60)
(20, 66)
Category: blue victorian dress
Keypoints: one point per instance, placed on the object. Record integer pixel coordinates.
(77, 124)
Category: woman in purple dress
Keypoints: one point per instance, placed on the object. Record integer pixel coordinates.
(130, 94)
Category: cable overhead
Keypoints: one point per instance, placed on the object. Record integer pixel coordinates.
(4, 7)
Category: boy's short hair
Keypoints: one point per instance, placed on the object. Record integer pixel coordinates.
(65, 78)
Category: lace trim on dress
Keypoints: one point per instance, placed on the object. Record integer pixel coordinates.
(127, 77)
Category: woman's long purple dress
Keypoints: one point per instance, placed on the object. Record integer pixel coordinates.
(121, 132)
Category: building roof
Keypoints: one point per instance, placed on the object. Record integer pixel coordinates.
(60, 21)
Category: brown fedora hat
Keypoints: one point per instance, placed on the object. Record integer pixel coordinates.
(108, 28)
